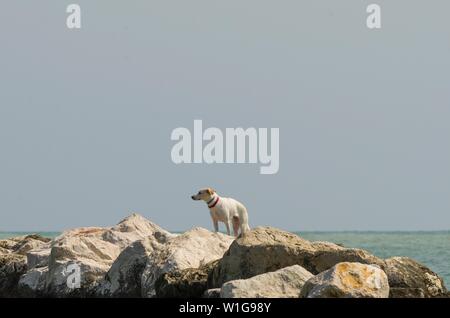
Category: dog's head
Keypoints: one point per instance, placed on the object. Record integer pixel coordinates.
(204, 194)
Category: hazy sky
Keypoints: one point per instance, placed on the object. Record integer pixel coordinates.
(364, 115)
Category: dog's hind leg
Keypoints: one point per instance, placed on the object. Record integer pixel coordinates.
(236, 225)
(245, 228)
(216, 226)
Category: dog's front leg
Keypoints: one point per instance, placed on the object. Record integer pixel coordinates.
(216, 225)
(228, 224)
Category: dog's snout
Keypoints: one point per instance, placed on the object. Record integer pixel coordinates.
(192, 197)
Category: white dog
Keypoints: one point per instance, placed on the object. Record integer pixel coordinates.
(226, 210)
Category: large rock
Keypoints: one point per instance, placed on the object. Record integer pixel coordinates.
(93, 250)
(410, 279)
(348, 280)
(124, 277)
(283, 283)
(191, 249)
(266, 249)
(185, 283)
(12, 266)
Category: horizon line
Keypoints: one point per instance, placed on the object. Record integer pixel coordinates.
(292, 231)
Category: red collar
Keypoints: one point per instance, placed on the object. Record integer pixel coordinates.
(214, 204)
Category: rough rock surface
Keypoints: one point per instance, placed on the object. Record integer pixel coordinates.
(283, 283)
(94, 250)
(30, 242)
(12, 266)
(38, 257)
(124, 277)
(348, 280)
(4, 251)
(8, 244)
(22, 244)
(13, 263)
(32, 283)
(410, 279)
(191, 249)
(266, 249)
(186, 283)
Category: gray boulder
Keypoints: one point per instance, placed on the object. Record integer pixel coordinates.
(410, 279)
(123, 279)
(283, 283)
(93, 250)
(191, 249)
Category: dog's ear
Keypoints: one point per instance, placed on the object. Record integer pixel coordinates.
(211, 191)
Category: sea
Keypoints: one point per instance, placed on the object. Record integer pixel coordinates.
(429, 248)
